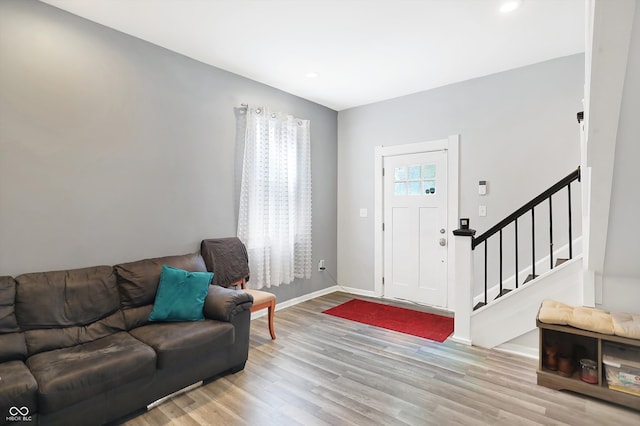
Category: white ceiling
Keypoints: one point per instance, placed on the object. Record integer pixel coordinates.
(363, 50)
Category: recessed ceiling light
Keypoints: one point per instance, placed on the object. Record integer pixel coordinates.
(510, 6)
(312, 74)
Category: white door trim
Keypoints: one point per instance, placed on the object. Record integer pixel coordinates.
(451, 145)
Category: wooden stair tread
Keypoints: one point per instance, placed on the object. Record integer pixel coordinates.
(560, 261)
(530, 277)
(502, 293)
(479, 305)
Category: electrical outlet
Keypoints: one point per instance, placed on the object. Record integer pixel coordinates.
(482, 211)
(321, 265)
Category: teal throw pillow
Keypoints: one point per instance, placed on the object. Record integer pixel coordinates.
(180, 295)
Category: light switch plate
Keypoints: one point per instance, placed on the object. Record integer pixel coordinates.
(364, 213)
(482, 211)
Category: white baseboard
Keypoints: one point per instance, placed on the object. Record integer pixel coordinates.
(360, 292)
(460, 340)
(296, 300)
(512, 348)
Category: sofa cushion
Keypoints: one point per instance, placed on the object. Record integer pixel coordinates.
(65, 298)
(18, 389)
(180, 295)
(12, 342)
(47, 339)
(12, 347)
(138, 281)
(180, 342)
(8, 323)
(137, 317)
(70, 375)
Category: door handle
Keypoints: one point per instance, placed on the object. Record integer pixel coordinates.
(443, 241)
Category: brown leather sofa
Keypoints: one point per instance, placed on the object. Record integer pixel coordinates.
(76, 346)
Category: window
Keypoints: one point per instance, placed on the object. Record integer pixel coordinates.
(274, 220)
(415, 180)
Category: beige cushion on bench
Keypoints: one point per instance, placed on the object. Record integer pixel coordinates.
(626, 325)
(552, 312)
(592, 319)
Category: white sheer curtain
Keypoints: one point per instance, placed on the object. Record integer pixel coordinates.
(274, 218)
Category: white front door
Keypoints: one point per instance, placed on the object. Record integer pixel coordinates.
(415, 227)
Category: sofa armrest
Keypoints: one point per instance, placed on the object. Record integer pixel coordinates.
(223, 303)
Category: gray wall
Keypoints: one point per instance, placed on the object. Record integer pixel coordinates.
(113, 149)
(621, 275)
(517, 129)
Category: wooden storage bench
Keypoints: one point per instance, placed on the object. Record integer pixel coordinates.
(592, 344)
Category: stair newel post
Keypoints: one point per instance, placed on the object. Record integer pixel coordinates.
(463, 282)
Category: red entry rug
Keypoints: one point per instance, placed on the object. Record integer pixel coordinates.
(421, 324)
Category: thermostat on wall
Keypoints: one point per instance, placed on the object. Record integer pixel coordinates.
(482, 187)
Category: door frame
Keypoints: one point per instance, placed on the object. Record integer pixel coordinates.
(451, 146)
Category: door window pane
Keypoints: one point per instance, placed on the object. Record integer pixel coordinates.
(414, 188)
(414, 173)
(429, 186)
(401, 173)
(428, 171)
(400, 188)
(415, 180)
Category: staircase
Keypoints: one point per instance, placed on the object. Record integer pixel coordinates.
(518, 309)
(516, 264)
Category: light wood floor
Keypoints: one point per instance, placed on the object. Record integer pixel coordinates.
(324, 370)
